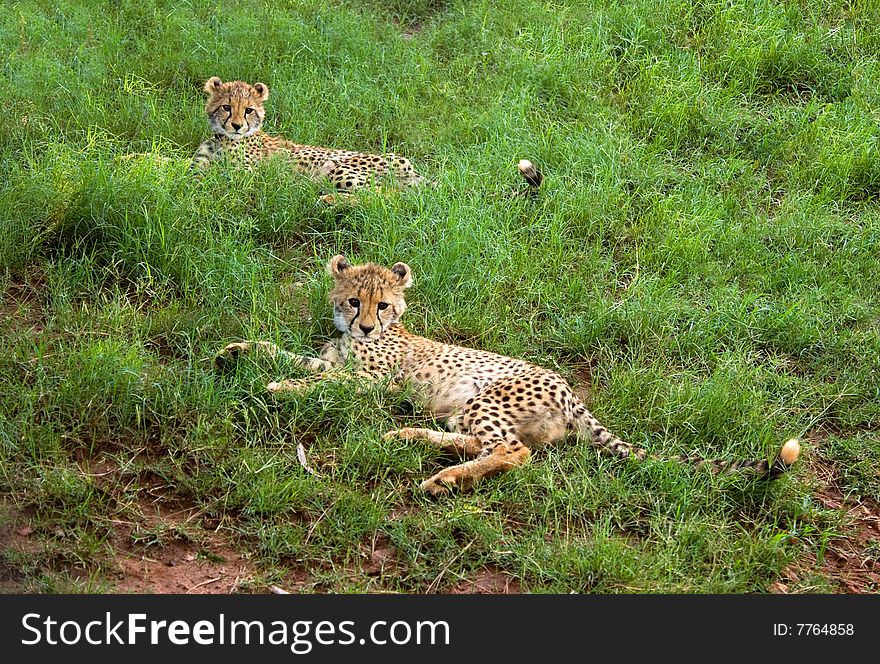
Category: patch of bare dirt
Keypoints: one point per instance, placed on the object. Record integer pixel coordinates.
(183, 568)
(16, 537)
(21, 306)
(16, 529)
(583, 378)
(296, 581)
(164, 552)
(402, 510)
(411, 30)
(156, 544)
(852, 562)
(380, 557)
(488, 581)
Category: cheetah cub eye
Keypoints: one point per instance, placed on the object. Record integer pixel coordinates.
(382, 306)
(354, 302)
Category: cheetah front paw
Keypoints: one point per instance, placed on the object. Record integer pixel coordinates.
(405, 435)
(435, 487)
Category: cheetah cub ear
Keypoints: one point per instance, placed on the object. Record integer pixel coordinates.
(404, 273)
(337, 265)
(213, 84)
(262, 90)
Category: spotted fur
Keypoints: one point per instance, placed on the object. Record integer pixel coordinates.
(498, 409)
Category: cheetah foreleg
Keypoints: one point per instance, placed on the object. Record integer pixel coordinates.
(295, 386)
(364, 380)
(233, 351)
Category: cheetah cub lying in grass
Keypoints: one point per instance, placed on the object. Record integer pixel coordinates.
(236, 111)
(497, 408)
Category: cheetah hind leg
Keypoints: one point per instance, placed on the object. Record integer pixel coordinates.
(495, 458)
(348, 196)
(463, 444)
(344, 184)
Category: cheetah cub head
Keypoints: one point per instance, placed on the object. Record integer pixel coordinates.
(367, 298)
(235, 109)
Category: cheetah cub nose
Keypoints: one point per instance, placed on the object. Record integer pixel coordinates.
(366, 329)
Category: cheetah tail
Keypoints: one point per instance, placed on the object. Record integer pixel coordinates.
(533, 176)
(784, 460)
(589, 428)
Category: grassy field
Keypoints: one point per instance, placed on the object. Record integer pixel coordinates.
(703, 265)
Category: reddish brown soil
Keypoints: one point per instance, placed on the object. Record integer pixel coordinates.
(15, 535)
(488, 581)
(412, 30)
(21, 308)
(848, 562)
(199, 562)
(380, 557)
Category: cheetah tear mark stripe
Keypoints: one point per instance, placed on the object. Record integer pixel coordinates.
(358, 313)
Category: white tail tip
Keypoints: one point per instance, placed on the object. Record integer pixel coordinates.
(790, 452)
(525, 165)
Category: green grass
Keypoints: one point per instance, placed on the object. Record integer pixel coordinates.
(704, 262)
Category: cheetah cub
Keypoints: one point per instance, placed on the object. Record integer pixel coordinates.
(236, 111)
(497, 409)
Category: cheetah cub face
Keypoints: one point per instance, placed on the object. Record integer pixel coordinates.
(235, 109)
(366, 299)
